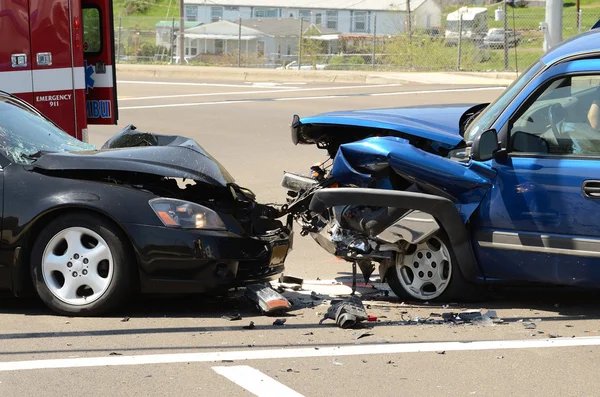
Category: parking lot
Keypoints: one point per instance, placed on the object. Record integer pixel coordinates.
(547, 343)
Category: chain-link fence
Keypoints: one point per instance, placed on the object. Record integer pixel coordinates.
(471, 39)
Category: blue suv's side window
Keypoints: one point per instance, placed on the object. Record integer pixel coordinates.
(562, 119)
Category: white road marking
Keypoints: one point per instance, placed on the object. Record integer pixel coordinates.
(255, 381)
(281, 89)
(173, 105)
(334, 351)
(435, 91)
(311, 97)
(187, 84)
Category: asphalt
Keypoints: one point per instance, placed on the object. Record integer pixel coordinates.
(246, 127)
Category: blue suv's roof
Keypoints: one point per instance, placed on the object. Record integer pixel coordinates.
(584, 42)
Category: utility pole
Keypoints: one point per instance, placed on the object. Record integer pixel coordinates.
(240, 44)
(505, 37)
(300, 46)
(374, 40)
(181, 33)
(577, 4)
(172, 41)
(408, 22)
(553, 23)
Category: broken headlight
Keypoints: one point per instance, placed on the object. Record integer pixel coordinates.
(187, 215)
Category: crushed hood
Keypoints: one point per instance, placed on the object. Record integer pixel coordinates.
(132, 151)
(440, 124)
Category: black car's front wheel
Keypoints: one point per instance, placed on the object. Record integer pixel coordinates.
(81, 265)
(428, 271)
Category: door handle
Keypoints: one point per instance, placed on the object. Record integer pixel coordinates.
(591, 189)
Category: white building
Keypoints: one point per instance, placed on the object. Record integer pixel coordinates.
(274, 39)
(340, 15)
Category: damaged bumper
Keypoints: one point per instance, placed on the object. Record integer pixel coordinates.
(192, 261)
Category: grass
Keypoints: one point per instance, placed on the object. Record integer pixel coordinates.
(160, 10)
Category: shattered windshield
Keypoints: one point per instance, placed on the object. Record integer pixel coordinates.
(24, 133)
(486, 118)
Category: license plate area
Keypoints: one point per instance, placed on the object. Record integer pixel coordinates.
(279, 253)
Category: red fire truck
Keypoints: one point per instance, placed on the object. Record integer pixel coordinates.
(59, 56)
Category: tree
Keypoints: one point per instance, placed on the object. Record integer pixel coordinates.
(311, 48)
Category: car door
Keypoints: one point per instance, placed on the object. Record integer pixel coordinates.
(541, 219)
(99, 62)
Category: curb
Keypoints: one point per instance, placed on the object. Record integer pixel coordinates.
(204, 73)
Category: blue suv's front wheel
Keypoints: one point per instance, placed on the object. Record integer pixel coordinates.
(428, 271)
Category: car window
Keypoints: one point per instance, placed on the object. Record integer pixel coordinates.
(23, 133)
(561, 120)
(489, 115)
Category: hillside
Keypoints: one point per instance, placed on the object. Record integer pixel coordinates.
(144, 14)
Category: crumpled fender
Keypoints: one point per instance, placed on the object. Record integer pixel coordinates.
(465, 184)
(443, 209)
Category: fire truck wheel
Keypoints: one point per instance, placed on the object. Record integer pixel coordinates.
(80, 265)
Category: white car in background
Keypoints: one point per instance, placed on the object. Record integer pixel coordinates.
(305, 66)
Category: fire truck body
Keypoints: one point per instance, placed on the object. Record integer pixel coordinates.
(58, 55)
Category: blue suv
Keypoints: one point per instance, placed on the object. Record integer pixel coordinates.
(445, 198)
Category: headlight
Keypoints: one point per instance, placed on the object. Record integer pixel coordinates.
(183, 214)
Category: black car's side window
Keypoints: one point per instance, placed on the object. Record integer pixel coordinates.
(563, 119)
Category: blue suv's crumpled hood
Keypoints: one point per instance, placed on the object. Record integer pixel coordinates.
(437, 123)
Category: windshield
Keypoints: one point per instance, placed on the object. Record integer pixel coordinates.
(487, 117)
(23, 133)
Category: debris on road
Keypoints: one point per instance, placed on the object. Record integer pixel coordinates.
(363, 334)
(267, 299)
(442, 352)
(232, 317)
(530, 325)
(499, 357)
(291, 280)
(279, 321)
(336, 362)
(249, 326)
(125, 319)
(115, 354)
(307, 333)
(347, 313)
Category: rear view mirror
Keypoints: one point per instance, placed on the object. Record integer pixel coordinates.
(484, 146)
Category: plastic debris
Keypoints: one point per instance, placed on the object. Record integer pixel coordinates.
(232, 317)
(336, 362)
(267, 299)
(371, 318)
(292, 280)
(308, 333)
(347, 313)
(124, 320)
(115, 354)
(442, 352)
(360, 335)
(279, 321)
(249, 326)
(499, 357)
(530, 325)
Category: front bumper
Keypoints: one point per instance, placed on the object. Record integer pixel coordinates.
(196, 261)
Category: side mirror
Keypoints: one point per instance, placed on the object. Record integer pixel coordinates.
(485, 145)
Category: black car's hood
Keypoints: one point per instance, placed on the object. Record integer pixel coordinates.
(132, 151)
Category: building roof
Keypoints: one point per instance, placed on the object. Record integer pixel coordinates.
(285, 27)
(365, 5)
(169, 24)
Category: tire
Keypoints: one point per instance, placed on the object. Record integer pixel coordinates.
(81, 265)
(421, 262)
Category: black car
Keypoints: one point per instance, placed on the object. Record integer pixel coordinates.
(83, 228)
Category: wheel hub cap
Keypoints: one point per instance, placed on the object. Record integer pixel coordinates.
(425, 271)
(77, 266)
